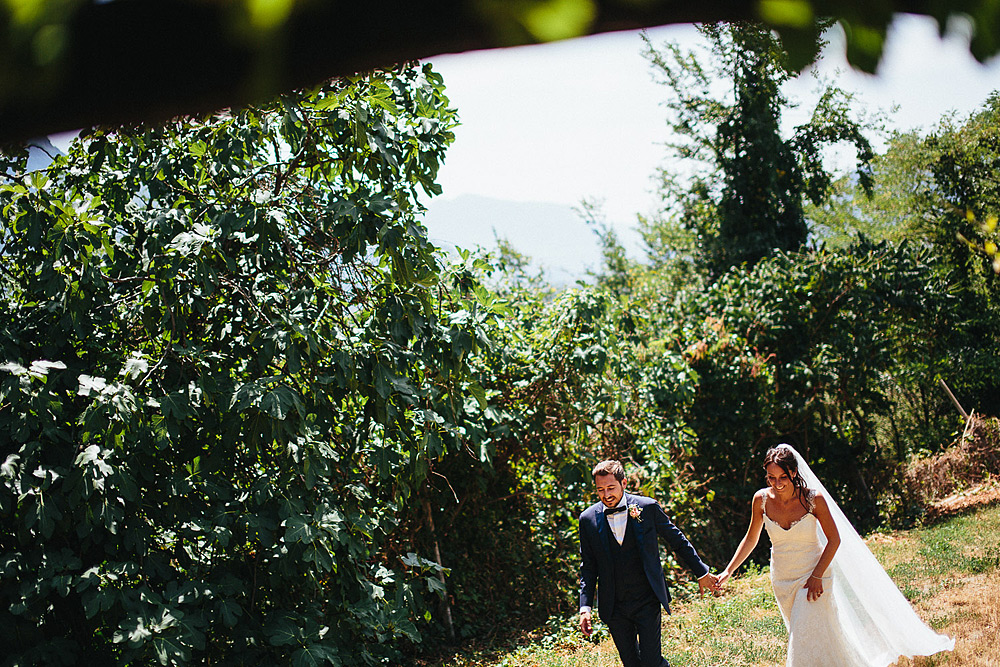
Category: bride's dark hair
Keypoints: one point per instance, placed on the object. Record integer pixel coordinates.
(784, 458)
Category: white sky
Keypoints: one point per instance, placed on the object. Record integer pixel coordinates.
(582, 118)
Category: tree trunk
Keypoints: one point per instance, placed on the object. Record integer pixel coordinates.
(445, 604)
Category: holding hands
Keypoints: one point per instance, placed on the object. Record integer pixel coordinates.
(813, 584)
(709, 582)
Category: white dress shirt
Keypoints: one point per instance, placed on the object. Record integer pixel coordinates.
(618, 521)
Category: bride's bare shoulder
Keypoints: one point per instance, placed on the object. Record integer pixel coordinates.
(817, 501)
(759, 498)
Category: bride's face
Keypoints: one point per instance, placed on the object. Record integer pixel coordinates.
(778, 479)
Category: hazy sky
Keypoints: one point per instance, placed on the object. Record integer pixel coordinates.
(559, 122)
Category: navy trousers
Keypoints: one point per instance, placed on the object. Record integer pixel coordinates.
(635, 628)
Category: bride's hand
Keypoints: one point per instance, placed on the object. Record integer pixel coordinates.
(815, 586)
(723, 578)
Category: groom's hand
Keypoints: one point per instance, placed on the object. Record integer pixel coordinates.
(708, 582)
(585, 626)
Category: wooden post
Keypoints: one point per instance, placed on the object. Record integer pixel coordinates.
(968, 423)
(445, 605)
(953, 399)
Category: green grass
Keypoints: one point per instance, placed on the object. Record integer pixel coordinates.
(925, 561)
(743, 628)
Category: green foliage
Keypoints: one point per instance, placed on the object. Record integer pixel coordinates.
(744, 196)
(836, 352)
(963, 205)
(230, 357)
(941, 192)
(614, 274)
(248, 415)
(564, 387)
(895, 208)
(549, 384)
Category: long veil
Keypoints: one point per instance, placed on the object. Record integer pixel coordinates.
(871, 609)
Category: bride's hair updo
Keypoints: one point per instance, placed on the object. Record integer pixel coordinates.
(784, 458)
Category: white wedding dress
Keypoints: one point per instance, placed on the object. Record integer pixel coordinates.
(862, 619)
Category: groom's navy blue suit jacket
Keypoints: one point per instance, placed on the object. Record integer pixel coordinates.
(597, 569)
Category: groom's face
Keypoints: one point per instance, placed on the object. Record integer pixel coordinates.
(609, 489)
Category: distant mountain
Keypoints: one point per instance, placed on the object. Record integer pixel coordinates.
(40, 153)
(551, 234)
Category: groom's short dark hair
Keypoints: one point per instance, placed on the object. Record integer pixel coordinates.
(610, 468)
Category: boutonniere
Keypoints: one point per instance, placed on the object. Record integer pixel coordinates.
(634, 511)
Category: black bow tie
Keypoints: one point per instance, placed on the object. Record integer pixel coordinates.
(615, 510)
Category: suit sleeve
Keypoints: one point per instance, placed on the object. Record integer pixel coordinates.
(677, 541)
(588, 568)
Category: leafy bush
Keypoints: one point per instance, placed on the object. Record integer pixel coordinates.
(230, 353)
(805, 348)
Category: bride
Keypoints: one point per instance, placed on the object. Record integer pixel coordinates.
(840, 607)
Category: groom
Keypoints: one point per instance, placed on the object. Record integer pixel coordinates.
(618, 542)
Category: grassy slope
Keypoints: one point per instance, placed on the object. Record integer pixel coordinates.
(948, 571)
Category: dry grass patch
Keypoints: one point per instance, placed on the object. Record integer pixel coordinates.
(949, 572)
(972, 459)
(985, 493)
(970, 613)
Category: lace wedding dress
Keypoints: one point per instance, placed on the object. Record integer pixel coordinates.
(862, 619)
(815, 636)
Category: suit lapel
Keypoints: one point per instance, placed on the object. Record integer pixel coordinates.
(604, 530)
(634, 525)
